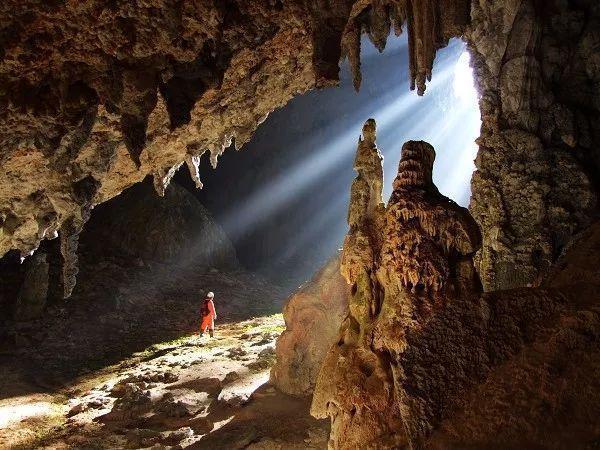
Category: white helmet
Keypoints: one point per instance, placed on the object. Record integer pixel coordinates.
(211, 295)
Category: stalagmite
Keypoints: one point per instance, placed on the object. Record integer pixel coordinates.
(421, 345)
(360, 417)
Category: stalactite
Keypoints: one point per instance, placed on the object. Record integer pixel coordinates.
(69, 242)
(162, 178)
(193, 165)
(430, 25)
(98, 111)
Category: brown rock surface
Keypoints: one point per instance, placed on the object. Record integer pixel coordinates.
(312, 317)
(425, 360)
(536, 65)
(95, 96)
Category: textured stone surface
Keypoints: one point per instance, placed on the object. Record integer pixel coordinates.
(140, 226)
(80, 101)
(312, 316)
(124, 236)
(426, 360)
(536, 183)
(32, 296)
(95, 96)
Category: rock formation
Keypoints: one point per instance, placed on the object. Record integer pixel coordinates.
(537, 69)
(174, 229)
(312, 317)
(355, 387)
(33, 294)
(95, 96)
(126, 235)
(424, 359)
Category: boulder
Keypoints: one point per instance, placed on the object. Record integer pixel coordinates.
(312, 316)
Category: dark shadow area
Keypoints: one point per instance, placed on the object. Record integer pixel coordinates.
(269, 417)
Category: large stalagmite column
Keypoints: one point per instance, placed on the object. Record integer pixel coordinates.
(422, 347)
(403, 262)
(355, 387)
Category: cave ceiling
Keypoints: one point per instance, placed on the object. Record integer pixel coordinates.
(96, 95)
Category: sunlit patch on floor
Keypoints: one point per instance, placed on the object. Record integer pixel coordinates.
(15, 411)
(173, 393)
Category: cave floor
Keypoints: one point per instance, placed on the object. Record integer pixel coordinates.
(190, 392)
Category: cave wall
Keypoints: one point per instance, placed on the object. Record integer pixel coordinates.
(538, 70)
(96, 95)
(134, 234)
(139, 227)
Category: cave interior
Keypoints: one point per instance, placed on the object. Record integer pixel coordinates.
(393, 202)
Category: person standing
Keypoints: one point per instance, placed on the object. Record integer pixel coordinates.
(209, 315)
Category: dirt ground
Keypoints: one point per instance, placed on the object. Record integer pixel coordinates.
(191, 392)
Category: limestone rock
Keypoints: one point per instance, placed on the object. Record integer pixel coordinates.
(534, 185)
(100, 95)
(312, 316)
(33, 294)
(426, 360)
(172, 229)
(430, 26)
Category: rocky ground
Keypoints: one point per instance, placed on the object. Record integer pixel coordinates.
(116, 312)
(191, 392)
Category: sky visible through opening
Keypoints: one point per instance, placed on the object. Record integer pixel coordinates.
(287, 191)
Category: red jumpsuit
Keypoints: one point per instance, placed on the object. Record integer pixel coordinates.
(208, 316)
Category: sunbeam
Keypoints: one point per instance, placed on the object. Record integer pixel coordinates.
(303, 184)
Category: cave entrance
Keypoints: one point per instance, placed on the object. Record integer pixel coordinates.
(283, 198)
